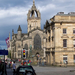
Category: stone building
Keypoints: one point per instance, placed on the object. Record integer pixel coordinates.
(33, 41)
(60, 40)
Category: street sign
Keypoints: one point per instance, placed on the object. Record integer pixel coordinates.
(3, 52)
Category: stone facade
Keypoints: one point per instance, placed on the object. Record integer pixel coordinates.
(34, 39)
(60, 40)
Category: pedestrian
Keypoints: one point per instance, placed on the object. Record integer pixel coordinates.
(10, 64)
(2, 68)
(66, 63)
(60, 63)
(14, 67)
(28, 63)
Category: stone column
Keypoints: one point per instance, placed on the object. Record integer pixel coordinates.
(44, 52)
(51, 58)
(48, 59)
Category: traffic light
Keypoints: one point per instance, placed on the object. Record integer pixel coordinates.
(24, 53)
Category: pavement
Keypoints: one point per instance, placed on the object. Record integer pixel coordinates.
(51, 70)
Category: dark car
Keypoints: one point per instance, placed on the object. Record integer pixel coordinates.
(25, 70)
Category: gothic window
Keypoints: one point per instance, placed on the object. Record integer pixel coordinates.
(26, 46)
(37, 42)
(30, 27)
(49, 38)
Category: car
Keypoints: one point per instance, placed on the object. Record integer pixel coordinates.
(25, 70)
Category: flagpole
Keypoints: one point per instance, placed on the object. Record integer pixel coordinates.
(4, 63)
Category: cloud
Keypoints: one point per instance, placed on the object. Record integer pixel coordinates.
(11, 16)
(46, 8)
(14, 13)
(3, 44)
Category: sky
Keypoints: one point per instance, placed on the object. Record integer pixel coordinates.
(14, 13)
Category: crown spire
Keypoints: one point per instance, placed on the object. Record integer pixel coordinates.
(33, 2)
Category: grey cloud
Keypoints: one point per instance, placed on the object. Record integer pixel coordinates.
(11, 3)
(20, 8)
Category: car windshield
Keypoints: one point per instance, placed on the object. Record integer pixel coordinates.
(23, 69)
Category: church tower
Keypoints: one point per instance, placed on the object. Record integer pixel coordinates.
(33, 18)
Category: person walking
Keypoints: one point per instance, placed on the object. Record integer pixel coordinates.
(2, 66)
(66, 63)
(14, 68)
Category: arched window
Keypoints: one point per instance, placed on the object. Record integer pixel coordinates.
(26, 46)
(33, 13)
(37, 42)
(30, 27)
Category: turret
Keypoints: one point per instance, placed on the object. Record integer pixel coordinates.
(19, 32)
(12, 32)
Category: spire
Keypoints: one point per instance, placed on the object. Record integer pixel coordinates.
(33, 2)
(12, 32)
(19, 28)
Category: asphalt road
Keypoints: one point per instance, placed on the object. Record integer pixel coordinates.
(50, 71)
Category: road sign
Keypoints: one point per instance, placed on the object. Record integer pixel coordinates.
(3, 52)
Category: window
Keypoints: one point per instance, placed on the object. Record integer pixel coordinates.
(46, 32)
(19, 52)
(26, 46)
(52, 38)
(64, 58)
(46, 39)
(30, 27)
(37, 42)
(64, 42)
(74, 31)
(64, 31)
(49, 38)
(74, 59)
(74, 43)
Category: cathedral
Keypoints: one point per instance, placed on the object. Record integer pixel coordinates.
(33, 41)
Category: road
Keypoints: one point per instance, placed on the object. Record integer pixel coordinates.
(49, 70)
